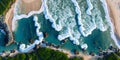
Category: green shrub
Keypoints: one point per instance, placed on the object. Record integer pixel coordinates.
(42, 54)
(112, 56)
(76, 58)
(5, 5)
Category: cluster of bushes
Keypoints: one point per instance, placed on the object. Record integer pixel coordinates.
(111, 56)
(42, 54)
(4, 5)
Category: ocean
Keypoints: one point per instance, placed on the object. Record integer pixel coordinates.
(83, 23)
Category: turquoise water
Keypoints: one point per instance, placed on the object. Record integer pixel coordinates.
(96, 40)
(46, 27)
(64, 15)
(2, 38)
(25, 31)
(2, 43)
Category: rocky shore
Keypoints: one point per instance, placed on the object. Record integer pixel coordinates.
(4, 28)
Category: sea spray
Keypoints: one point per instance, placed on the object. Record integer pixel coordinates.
(90, 7)
(23, 47)
(104, 4)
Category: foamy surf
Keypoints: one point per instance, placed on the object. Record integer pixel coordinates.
(23, 47)
(90, 7)
(81, 28)
(18, 17)
(51, 19)
(62, 22)
(85, 28)
(117, 42)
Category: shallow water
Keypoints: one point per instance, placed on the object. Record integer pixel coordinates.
(25, 31)
(80, 21)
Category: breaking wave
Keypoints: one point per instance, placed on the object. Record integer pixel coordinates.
(63, 19)
(111, 25)
(23, 47)
(20, 16)
(62, 14)
(16, 17)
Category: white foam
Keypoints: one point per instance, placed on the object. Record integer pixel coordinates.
(64, 16)
(67, 34)
(84, 46)
(104, 4)
(63, 36)
(77, 10)
(25, 49)
(81, 28)
(39, 34)
(75, 41)
(101, 26)
(90, 7)
(88, 32)
(48, 16)
(18, 17)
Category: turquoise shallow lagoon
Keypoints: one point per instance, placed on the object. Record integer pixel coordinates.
(25, 31)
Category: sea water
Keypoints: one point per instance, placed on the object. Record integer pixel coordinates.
(78, 21)
(2, 42)
(25, 30)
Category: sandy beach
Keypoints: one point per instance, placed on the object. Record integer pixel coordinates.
(31, 5)
(8, 21)
(114, 7)
(26, 6)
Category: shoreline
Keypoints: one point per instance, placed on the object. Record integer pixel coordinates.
(8, 20)
(114, 10)
(28, 6)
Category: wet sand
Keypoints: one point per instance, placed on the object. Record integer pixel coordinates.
(114, 10)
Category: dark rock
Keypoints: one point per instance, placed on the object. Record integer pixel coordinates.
(76, 52)
(31, 41)
(92, 54)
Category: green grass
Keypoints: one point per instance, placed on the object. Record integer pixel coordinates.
(5, 5)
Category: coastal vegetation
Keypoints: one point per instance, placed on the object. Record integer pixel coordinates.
(41, 54)
(4, 5)
(111, 56)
